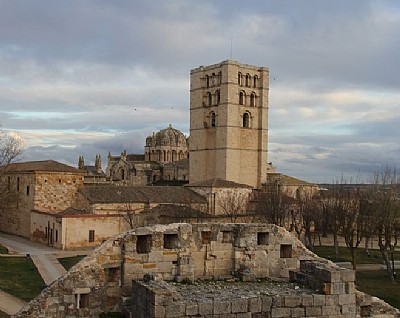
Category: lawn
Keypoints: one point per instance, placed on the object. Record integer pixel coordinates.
(19, 277)
(374, 257)
(68, 262)
(376, 283)
(3, 250)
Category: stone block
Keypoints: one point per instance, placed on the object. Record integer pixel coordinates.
(205, 308)
(319, 300)
(348, 275)
(330, 310)
(297, 312)
(278, 302)
(255, 305)
(307, 300)
(266, 303)
(348, 309)
(222, 307)
(350, 287)
(174, 310)
(331, 300)
(293, 301)
(280, 312)
(243, 315)
(313, 311)
(239, 305)
(338, 288)
(347, 299)
(192, 309)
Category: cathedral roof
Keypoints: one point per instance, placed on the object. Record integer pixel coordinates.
(36, 166)
(167, 137)
(217, 183)
(132, 194)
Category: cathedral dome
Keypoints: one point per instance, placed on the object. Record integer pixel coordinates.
(167, 137)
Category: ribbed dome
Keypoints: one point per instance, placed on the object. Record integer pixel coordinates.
(167, 137)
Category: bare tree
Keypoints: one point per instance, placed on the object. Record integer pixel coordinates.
(11, 147)
(130, 215)
(383, 207)
(273, 205)
(234, 204)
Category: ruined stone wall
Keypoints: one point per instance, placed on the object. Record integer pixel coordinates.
(192, 253)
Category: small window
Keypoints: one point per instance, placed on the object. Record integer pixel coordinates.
(218, 97)
(255, 81)
(17, 183)
(91, 235)
(143, 244)
(240, 79)
(171, 241)
(209, 99)
(82, 300)
(248, 79)
(242, 98)
(213, 119)
(262, 238)
(27, 190)
(253, 99)
(9, 183)
(207, 81)
(205, 237)
(59, 180)
(246, 120)
(226, 236)
(56, 238)
(112, 274)
(286, 251)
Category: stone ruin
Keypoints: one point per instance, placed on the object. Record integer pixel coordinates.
(205, 270)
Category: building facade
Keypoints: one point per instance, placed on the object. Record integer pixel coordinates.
(229, 123)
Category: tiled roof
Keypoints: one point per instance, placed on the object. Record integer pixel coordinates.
(130, 194)
(43, 166)
(93, 171)
(218, 183)
(179, 163)
(285, 179)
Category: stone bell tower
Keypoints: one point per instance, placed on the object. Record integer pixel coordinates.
(229, 123)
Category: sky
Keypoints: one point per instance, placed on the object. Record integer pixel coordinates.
(89, 77)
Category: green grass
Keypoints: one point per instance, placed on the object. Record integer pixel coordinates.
(3, 315)
(377, 283)
(68, 262)
(375, 257)
(3, 250)
(19, 277)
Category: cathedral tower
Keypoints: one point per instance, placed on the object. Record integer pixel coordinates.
(229, 123)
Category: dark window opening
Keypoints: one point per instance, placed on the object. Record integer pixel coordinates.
(209, 99)
(17, 183)
(213, 120)
(246, 120)
(205, 237)
(255, 80)
(286, 251)
(27, 190)
(59, 180)
(56, 238)
(218, 97)
(253, 99)
(91, 235)
(241, 98)
(207, 81)
(82, 300)
(240, 79)
(113, 274)
(262, 238)
(248, 78)
(143, 244)
(226, 237)
(171, 241)
(9, 183)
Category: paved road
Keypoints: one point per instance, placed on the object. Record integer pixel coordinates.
(45, 260)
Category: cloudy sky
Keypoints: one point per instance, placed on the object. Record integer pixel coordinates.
(88, 77)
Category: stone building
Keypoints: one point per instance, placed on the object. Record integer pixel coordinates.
(47, 186)
(165, 158)
(205, 270)
(229, 123)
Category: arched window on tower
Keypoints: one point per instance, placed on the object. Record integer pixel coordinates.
(217, 97)
(255, 84)
(248, 79)
(242, 98)
(253, 99)
(246, 120)
(207, 81)
(209, 99)
(213, 120)
(240, 79)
